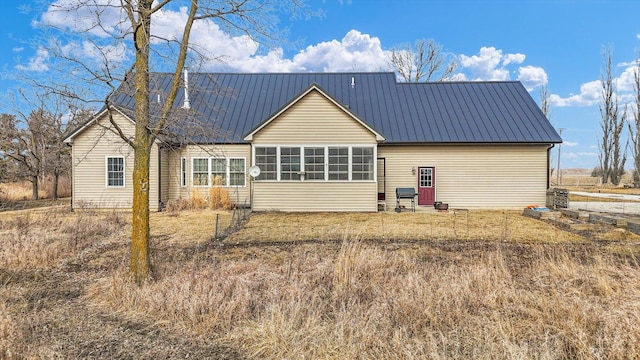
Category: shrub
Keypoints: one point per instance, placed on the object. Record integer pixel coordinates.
(196, 200)
(178, 205)
(218, 196)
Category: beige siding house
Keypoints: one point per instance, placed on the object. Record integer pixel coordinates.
(103, 165)
(329, 142)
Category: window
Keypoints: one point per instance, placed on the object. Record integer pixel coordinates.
(362, 163)
(115, 171)
(183, 172)
(426, 177)
(224, 172)
(319, 163)
(200, 172)
(339, 163)
(266, 160)
(314, 163)
(237, 172)
(219, 171)
(290, 163)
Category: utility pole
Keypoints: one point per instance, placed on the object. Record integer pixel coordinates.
(558, 169)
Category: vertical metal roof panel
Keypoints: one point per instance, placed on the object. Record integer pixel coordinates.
(445, 112)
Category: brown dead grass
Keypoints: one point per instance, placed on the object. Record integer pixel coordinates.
(458, 225)
(345, 293)
(219, 197)
(21, 191)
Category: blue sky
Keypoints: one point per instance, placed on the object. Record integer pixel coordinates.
(559, 42)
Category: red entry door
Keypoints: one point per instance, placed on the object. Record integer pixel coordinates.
(426, 185)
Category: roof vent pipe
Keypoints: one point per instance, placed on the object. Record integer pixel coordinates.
(186, 104)
(353, 82)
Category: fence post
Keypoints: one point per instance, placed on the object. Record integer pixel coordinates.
(216, 231)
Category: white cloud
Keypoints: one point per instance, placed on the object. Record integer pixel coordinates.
(356, 51)
(88, 51)
(532, 76)
(590, 92)
(626, 80)
(38, 63)
(101, 18)
(17, 49)
(489, 64)
(513, 58)
(206, 36)
(225, 52)
(570, 143)
(589, 95)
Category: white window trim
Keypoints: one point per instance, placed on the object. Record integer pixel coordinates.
(227, 169)
(183, 172)
(244, 171)
(325, 162)
(193, 159)
(106, 171)
(279, 163)
(326, 152)
(253, 161)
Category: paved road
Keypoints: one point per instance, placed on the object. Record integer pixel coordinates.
(607, 196)
(622, 205)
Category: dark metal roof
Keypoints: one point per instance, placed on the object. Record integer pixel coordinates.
(443, 112)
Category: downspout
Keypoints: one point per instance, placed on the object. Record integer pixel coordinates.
(549, 165)
(73, 170)
(160, 204)
(159, 180)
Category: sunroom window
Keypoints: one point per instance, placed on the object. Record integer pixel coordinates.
(267, 161)
(362, 163)
(289, 163)
(338, 163)
(317, 163)
(314, 163)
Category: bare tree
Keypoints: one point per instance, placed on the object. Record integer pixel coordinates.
(546, 110)
(634, 126)
(611, 155)
(58, 155)
(25, 141)
(253, 18)
(424, 61)
(619, 157)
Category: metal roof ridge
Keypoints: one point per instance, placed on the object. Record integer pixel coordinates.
(459, 82)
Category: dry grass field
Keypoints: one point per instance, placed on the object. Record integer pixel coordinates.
(19, 193)
(325, 286)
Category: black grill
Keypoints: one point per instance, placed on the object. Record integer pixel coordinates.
(406, 193)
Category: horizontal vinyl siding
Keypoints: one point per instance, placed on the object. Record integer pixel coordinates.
(175, 190)
(164, 175)
(314, 120)
(90, 151)
(315, 196)
(473, 176)
(154, 175)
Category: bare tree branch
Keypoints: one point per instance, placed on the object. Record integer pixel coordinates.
(425, 61)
